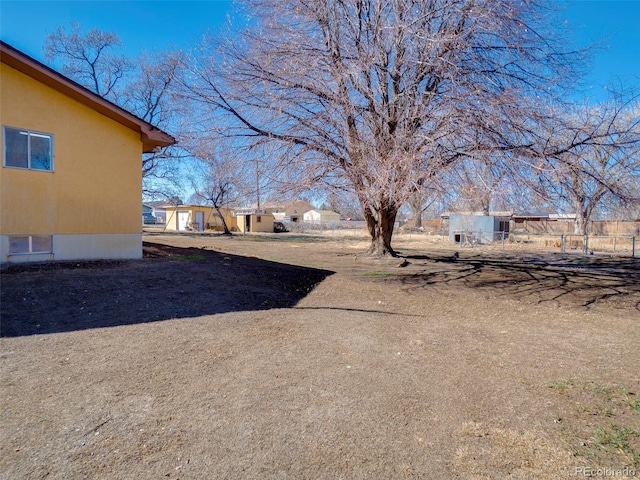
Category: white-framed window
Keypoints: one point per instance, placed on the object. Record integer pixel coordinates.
(27, 149)
(19, 244)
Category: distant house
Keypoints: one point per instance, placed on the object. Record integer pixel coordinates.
(71, 179)
(158, 209)
(279, 216)
(292, 212)
(548, 223)
(530, 222)
(197, 218)
(147, 215)
(255, 221)
(321, 217)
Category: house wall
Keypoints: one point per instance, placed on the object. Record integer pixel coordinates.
(321, 216)
(241, 219)
(329, 217)
(298, 209)
(171, 220)
(213, 221)
(312, 216)
(264, 226)
(91, 202)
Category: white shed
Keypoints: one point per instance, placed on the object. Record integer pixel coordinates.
(321, 216)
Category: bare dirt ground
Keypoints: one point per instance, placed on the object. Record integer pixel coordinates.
(293, 356)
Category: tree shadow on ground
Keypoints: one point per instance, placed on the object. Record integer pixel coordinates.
(168, 283)
(576, 280)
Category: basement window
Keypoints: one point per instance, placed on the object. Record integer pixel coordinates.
(27, 149)
(25, 244)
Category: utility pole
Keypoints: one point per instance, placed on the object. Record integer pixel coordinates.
(258, 183)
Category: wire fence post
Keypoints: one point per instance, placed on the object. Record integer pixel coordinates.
(562, 243)
(585, 244)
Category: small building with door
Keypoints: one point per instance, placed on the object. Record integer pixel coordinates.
(197, 218)
(480, 228)
(254, 221)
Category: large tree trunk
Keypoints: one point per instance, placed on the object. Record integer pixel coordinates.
(415, 203)
(579, 226)
(380, 225)
(417, 219)
(583, 214)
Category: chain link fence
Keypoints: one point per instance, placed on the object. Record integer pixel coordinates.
(624, 245)
(343, 227)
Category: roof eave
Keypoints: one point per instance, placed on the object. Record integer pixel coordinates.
(150, 136)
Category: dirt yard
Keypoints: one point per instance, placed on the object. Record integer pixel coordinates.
(295, 357)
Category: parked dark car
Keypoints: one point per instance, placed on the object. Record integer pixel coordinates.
(279, 227)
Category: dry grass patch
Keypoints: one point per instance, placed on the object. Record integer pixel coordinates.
(601, 423)
(486, 451)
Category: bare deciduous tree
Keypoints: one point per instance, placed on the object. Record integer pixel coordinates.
(481, 182)
(382, 94)
(148, 95)
(420, 201)
(593, 156)
(147, 91)
(141, 86)
(345, 204)
(88, 59)
(219, 176)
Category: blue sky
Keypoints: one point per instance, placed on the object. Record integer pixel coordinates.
(154, 25)
(147, 24)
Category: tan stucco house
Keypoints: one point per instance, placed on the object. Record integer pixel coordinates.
(71, 181)
(197, 218)
(254, 221)
(292, 212)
